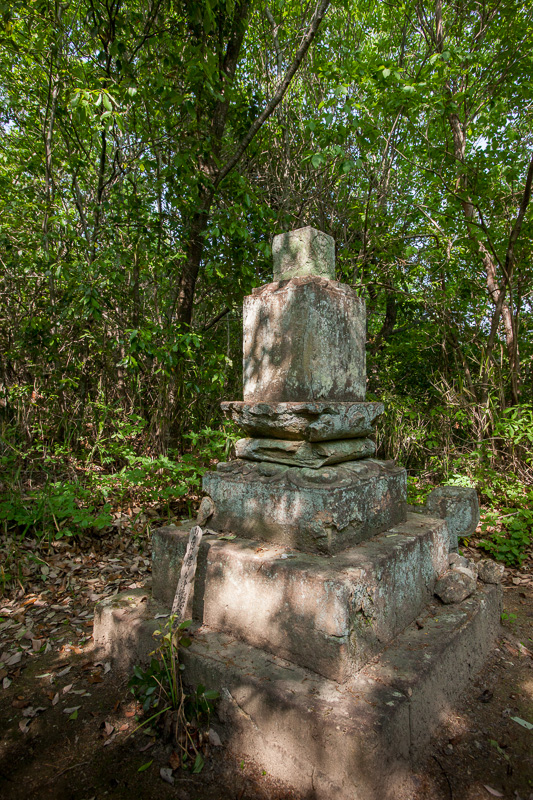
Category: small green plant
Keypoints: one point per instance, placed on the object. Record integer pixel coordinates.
(417, 490)
(55, 510)
(176, 713)
(461, 480)
(215, 444)
(510, 533)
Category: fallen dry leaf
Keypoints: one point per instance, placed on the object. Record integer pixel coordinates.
(174, 760)
(32, 712)
(63, 672)
(214, 738)
(493, 792)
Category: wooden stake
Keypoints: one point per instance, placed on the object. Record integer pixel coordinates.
(188, 572)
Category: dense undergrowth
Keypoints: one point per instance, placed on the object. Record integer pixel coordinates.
(54, 487)
(499, 467)
(50, 490)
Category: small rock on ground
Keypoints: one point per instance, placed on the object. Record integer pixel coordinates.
(455, 585)
(490, 571)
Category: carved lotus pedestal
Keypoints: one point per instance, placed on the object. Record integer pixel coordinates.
(321, 510)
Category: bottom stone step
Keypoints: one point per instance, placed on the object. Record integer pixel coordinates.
(356, 741)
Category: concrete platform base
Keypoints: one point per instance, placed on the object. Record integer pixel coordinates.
(331, 615)
(352, 742)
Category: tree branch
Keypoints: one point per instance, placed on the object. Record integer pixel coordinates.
(515, 233)
(229, 65)
(213, 322)
(278, 95)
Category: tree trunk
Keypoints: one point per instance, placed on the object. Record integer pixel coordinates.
(497, 293)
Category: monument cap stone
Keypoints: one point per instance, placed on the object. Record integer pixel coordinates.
(305, 251)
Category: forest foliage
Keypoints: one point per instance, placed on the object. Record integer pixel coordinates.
(149, 151)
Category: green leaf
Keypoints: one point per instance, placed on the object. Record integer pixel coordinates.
(198, 763)
(145, 766)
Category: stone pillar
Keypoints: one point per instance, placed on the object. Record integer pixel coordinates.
(304, 411)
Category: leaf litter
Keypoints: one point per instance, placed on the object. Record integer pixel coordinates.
(54, 608)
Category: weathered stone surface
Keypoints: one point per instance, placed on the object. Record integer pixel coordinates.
(489, 571)
(469, 571)
(304, 340)
(351, 742)
(330, 615)
(315, 510)
(312, 422)
(205, 511)
(455, 585)
(305, 251)
(304, 454)
(455, 561)
(459, 506)
(123, 631)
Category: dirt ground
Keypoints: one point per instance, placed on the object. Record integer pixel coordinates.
(67, 723)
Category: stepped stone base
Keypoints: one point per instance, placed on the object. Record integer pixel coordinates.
(351, 742)
(321, 510)
(331, 615)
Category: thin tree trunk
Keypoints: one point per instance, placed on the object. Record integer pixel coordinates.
(497, 292)
(48, 132)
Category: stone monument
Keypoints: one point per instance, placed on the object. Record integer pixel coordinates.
(304, 476)
(314, 595)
